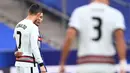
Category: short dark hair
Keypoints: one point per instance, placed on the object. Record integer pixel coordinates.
(35, 8)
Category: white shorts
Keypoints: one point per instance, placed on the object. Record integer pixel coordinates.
(96, 68)
(20, 69)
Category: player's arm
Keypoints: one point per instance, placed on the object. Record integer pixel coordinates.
(70, 36)
(119, 39)
(121, 49)
(35, 49)
(120, 44)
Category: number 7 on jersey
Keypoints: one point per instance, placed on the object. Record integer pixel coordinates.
(19, 33)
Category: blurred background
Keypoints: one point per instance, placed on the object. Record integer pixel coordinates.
(56, 16)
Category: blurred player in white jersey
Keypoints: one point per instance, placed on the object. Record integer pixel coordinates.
(96, 24)
(27, 36)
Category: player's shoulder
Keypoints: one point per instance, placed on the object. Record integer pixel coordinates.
(29, 23)
(80, 9)
(115, 11)
(33, 27)
(24, 22)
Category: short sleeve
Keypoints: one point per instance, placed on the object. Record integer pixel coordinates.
(119, 21)
(74, 20)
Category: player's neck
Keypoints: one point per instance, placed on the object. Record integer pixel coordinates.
(101, 1)
(31, 17)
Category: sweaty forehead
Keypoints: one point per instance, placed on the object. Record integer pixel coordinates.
(41, 14)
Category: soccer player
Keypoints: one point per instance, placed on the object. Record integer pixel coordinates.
(26, 34)
(96, 24)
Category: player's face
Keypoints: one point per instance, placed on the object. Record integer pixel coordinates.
(39, 19)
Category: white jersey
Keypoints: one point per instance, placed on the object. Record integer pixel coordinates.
(96, 23)
(26, 35)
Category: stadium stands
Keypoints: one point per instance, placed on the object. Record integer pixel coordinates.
(71, 4)
(8, 43)
(13, 11)
(49, 53)
(7, 48)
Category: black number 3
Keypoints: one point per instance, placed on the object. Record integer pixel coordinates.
(19, 33)
(98, 28)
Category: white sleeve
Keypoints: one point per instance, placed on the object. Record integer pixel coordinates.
(119, 21)
(14, 34)
(34, 46)
(74, 20)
